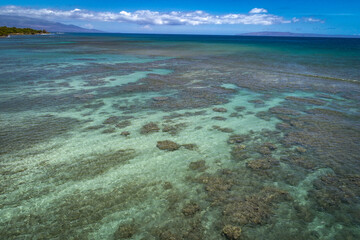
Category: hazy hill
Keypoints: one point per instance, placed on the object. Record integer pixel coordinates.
(39, 24)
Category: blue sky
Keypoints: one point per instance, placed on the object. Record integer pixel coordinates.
(197, 17)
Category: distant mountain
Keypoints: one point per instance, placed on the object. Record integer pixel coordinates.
(290, 34)
(39, 24)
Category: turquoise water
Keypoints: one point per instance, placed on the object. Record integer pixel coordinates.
(114, 136)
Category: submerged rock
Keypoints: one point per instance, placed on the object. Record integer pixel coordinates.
(84, 96)
(238, 152)
(256, 101)
(125, 231)
(95, 82)
(216, 184)
(125, 133)
(174, 129)
(236, 139)
(167, 185)
(333, 191)
(167, 235)
(95, 105)
(235, 115)
(231, 232)
(111, 120)
(198, 165)
(149, 128)
(218, 118)
(300, 100)
(284, 111)
(123, 124)
(167, 145)
(239, 108)
(270, 146)
(262, 163)
(94, 127)
(160, 98)
(190, 146)
(225, 130)
(283, 126)
(109, 130)
(255, 208)
(300, 149)
(328, 112)
(223, 110)
(190, 209)
(263, 115)
(297, 160)
(266, 148)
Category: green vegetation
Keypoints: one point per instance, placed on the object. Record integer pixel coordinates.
(5, 31)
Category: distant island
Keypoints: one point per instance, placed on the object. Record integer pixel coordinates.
(6, 31)
(290, 34)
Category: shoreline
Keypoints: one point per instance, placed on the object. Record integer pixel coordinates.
(21, 34)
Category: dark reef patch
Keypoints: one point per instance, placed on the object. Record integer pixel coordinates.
(71, 214)
(167, 145)
(262, 163)
(190, 209)
(123, 124)
(300, 100)
(29, 132)
(225, 130)
(174, 129)
(149, 128)
(255, 208)
(198, 165)
(88, 167)
(125, 231)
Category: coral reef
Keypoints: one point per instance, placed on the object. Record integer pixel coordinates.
(123, 124)
(300, 100)
(190, 209)
(198, 165)
(253, 209)
(221, 110)
(231, 232)
(174, 129)
(218, 118)
(225, 130)
(167, 145)
(262, 163)
(111, 120)
(125, 231)
(125, 133)
(239, 152)
(190, 146)
(236, 139)
(149, 128)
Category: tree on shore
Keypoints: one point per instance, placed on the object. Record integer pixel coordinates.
(5, 31)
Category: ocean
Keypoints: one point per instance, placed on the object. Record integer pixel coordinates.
(131, 136)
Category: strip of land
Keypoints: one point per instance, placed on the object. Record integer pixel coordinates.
(6, 31)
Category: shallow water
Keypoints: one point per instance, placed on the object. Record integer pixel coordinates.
(263, 137)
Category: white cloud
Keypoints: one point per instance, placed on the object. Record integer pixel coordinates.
(147, 27)
(257, 16)
(313, 20)
(258, 10)
(294, 20)
(88, 26)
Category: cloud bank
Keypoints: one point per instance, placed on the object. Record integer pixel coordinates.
(256, 16)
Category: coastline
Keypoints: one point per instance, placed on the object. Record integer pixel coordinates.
(22, 34)
(12, 31)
